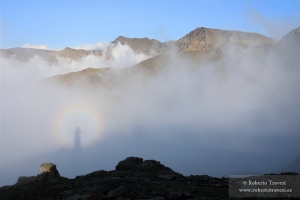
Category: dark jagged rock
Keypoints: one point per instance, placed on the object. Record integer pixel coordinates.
(132, 179)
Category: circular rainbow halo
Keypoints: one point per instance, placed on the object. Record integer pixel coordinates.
(79, 119)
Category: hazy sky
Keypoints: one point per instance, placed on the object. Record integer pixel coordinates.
(58, 24)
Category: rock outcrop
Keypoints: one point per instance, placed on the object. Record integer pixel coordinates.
(48, 173)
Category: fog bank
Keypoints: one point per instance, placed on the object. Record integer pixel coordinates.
(236, 115)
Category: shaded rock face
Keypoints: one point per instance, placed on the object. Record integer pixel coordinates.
(132, 179)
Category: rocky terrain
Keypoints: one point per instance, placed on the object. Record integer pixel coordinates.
(133, 178)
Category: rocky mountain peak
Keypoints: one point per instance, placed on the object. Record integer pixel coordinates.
(206, 39)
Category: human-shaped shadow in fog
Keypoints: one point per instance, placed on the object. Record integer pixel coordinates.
(76, 152)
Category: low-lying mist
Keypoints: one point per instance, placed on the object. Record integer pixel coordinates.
(235, 115)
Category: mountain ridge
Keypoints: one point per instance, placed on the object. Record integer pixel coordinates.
(199, 39)
(206, 46)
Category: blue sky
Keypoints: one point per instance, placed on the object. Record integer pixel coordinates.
(58, 24)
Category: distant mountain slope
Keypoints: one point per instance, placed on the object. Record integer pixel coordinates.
(90, 75)
(144, 45)
(149, 67)
(23, 54)
(293, 36)
(73, 54)
(289, 46)
(291, 41)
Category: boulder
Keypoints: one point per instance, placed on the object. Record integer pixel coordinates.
(135, 163)
(129, 163)
(48, 172)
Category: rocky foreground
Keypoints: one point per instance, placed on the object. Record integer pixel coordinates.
(133, 178)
